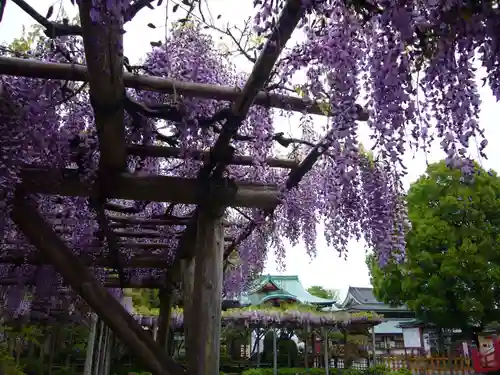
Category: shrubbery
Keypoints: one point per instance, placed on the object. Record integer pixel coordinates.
(377, 370)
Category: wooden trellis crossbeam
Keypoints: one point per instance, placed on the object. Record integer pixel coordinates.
(172, 152)
(210, 192)
(125, 245)
(149, 235)
(127, 221)
(147, 188)
(110, 282)
(136, 261)
(76, 274)
(124, 221)
(13, 66)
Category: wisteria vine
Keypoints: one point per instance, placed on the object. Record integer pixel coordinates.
(412, 61)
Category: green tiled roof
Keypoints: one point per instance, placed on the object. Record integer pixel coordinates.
(289, 287)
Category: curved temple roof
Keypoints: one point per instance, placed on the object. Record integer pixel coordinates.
(281, 287)
(362, 299)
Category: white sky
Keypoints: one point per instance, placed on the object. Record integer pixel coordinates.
(327, 269)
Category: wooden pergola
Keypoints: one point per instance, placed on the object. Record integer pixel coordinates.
(199, 261)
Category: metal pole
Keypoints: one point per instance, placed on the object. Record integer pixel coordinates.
(87, 369)
(155, 331)
(275, 354)
(98, 352)
(306, 359)
(258, 347)
(327, 364)
(374, 361)
(109, 349)
(104, 350)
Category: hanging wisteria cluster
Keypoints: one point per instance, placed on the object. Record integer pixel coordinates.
(412, 60)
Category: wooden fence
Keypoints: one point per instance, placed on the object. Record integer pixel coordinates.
(429, 365)
(418, 365)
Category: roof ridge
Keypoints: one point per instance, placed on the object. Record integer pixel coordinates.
(290, 277)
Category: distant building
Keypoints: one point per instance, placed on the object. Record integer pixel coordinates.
(276, 289)
(388, 335)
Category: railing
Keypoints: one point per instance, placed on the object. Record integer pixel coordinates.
(389, 346)
(419, 365)
(429, 365)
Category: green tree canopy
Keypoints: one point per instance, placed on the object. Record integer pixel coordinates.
(145, 301)
(451, 275)
(321, 292)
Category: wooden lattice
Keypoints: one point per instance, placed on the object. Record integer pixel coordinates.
(202, 239)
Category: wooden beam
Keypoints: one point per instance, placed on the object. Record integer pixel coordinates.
(103, 44)
(139, 221)
(142, 234)
(172, 152)
(39, 69)
(90, 260)
(147, 188)
(207, 295)
(26, 216)
(110, 282)
(96, 251)
(118, 221)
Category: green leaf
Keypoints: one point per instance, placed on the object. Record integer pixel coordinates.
(324, 107)
(299, 91)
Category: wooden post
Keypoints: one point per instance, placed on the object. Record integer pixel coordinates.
(74, 272)
(207, 296)
(163, 331)
(306, 358)
(188, 266)
(104, 55)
